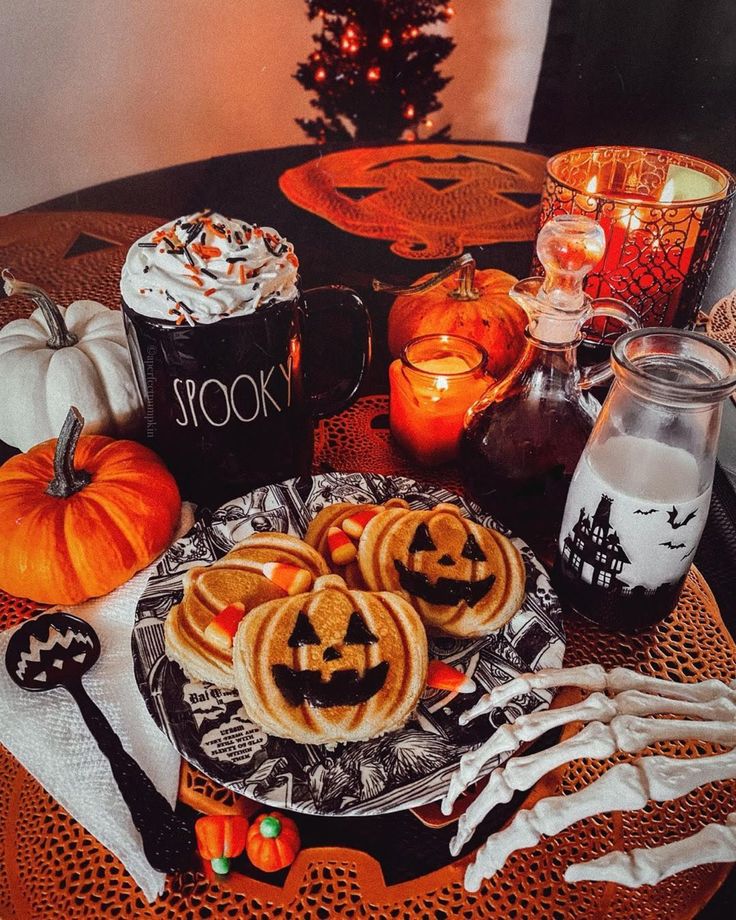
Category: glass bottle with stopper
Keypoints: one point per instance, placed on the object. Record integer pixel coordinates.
(524, 437)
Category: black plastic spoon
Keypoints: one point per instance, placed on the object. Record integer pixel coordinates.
(56, 650)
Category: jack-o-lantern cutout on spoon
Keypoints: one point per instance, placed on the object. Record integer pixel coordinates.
(331, 665)
(460, 577)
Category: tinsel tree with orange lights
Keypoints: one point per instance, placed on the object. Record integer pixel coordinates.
(374, 69)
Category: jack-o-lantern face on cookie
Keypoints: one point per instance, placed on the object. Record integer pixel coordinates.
(461, 577)
(332, 683)
(458, 554)
(331, 665)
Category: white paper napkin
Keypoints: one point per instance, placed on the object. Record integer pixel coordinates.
(46, 733)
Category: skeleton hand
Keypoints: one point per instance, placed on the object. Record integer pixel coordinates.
(619, 722)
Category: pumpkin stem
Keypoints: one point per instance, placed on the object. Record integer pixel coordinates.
(464, 291)
(68, 480)
(60, 336)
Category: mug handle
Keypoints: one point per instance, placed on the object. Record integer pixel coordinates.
(320, 304)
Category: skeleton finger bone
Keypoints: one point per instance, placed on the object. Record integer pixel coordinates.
(624, 787)
(715, 843)
(594, 677)
(636, 703)
(596, 740)
(586, 676)
(603, 709)
(526, 728)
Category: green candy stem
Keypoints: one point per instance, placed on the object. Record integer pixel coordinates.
(270, 827)
(220, 865)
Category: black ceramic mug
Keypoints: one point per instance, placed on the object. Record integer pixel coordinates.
(229, 406)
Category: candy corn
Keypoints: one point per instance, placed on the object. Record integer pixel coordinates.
(224, 626)
(443, 676)
(355, 524)
(289, 578)
(342, 549)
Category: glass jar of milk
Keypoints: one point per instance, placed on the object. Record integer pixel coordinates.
(640, 494)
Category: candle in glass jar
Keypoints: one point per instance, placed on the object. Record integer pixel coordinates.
(662, 213)
(650, 247)
(433, 383)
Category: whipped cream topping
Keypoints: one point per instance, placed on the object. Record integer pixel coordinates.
(206, 267)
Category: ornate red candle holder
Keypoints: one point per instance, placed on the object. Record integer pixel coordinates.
(663, 214)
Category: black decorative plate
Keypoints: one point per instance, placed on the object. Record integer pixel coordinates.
(398, 770)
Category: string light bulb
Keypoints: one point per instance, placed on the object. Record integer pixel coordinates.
(373, 75)
(386, 41)
(320, 74)
(409, 111)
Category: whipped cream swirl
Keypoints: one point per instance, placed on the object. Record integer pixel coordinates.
(206, 267)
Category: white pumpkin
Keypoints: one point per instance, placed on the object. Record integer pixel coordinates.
(60, 357)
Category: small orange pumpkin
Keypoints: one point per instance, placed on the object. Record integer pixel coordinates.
(80, 516)
(476, 305)
(273, 842)
(221, 838)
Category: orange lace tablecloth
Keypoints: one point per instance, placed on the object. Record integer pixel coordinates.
(50, 867)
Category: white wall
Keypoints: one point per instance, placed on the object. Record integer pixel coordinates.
(91, 90)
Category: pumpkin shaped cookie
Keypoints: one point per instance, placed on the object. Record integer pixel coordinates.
(462, 578)
(351, 519)
(332, 665)
(211, 592)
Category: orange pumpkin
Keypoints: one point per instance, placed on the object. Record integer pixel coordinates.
(273, 842)
(221, 838)
(476, 305)
(79, 516)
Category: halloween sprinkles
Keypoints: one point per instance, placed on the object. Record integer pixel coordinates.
(206, 267)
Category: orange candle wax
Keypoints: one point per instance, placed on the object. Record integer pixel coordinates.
(433, 383)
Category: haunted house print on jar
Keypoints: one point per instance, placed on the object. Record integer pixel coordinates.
(622, 559)
(592, 549)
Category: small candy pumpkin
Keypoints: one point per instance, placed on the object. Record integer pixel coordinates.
(58, 357)
(221, 838)
(476, 304)
(79, 516)
(273, 842)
